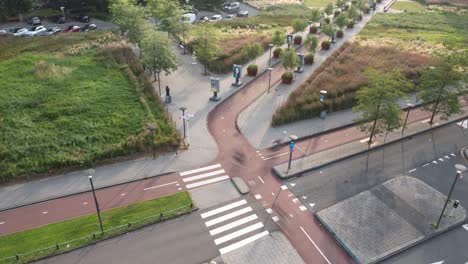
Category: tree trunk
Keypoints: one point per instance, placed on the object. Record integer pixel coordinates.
(206, 60)
(375, 123)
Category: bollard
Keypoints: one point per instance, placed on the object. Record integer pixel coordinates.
(191, 205)
(17, 257)
(129, 224)
(161, 215)
(94, 235)
(57, 246)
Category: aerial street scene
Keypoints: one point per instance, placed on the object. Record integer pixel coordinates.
(234, 132)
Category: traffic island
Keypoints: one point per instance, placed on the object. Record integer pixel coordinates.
(389, 218)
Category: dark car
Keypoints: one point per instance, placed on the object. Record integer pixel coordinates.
(60, 20)
(88, 27)
(203, 19)
(35, 21)
(83, 18)
(14, 30)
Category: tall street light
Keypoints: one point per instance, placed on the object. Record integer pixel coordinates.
(96, 202)
(63, 12)
(269, 60)
(183, 117)
(409, 105)
(460, 170)
(152, 128)
(269, 78)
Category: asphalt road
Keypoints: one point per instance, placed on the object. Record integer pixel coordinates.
(429, 157)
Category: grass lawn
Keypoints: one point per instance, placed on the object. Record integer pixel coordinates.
(436, 27)
(408, 6)
(82, 227)
(317, 3)
(59, 110)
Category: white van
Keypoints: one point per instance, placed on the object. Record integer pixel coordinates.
(232, 6)
(189, 18)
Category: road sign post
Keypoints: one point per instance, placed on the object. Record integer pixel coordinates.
(323, 113)
(291, 148)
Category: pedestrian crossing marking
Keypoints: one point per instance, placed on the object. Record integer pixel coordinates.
(228, 216)
(200, 169)
(233, 224)
(223, 209)
(242, 243)
(204, 175)
(238, 233)
(193, 185)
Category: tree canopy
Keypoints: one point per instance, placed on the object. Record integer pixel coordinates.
(291, 60)
(131, 18)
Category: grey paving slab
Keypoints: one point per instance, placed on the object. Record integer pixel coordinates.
(388, 218)
(274, 249)
(214, 194)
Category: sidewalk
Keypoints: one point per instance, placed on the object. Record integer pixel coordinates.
(254, 122)
(352, 148)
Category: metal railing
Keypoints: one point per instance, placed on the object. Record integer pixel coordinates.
(61, 247)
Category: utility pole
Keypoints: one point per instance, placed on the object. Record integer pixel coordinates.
(96, 202)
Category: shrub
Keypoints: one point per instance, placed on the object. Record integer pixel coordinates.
(309, 58)
(366, 10)
(287, 77)
(297, 40)
(327, 20)
(359, 17)
(299, 24)
(278, 38)
(326, 45)
(252, 70)
(337, 13)
(350, 24)
(278, 52)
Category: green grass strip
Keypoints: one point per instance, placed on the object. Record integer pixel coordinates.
(409, 6)
(79, 231)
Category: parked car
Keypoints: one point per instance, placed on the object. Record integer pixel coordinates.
(243, 13)
(38, 31)
(3, 32)
(82, 18)
(230, 16)
(231, 6)
(72, 28)
(53, 31)
(216, 18)
(14, 30)
(59, 19)
(22, 32)
(34, 21)
(203, 19)
(189, 17)
(88, 27)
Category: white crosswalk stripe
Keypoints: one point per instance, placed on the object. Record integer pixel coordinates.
(233, 225)
(203, 176)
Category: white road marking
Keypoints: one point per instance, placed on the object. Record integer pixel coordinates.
(282, 154)
(158, 186)
(465, 226)
(204, 175)
(217, 179)
(45, 212)
(463, 123)
(269, 211)
(85, 203)
(291, 215)
(447, 157)
(295, 200)
(1, 223)
(228, 216)
(311, 205)
(304, 197)
(315, 245)
(233, 224)
(292, 184)
(273, 193)
(257, 151)
(453, 155)
(425, 165)
(260, 178)
(303, 208)
(441, 159)
(122, 194)
(275, 218)
(177, 184)
(284, 187)
(435, 162)
(238, 233)
(321, 172)
(412, 170)
(200, 169)
(179, 189)
(289, 195)
(223, 209)
(299, 148)
(364, 140)
(439, 262)
(425, 121)
(258, 196)
(242, 243)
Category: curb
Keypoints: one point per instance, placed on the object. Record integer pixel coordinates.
(82, 192)
(407, 137)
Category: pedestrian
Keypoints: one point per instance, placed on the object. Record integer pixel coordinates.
(167, 91)
(175, 146)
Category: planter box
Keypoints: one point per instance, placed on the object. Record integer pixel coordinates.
(252, 72)
(313, 30)
(339, 34)
(297, 41)
(326, 45)
(308, 60)
(286, 80)
(350, 26)
(276, 55)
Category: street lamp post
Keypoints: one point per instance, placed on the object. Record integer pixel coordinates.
(323, 93)
(269, 78)
(269, 60)
(63, 12)
(152, 128)
(460, 169)
(409, 105)
(96, 202)
(183, 118)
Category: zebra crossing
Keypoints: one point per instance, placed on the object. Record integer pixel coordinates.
(233, 226)
(203, 176)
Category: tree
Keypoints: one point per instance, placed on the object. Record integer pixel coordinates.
(278, 38)
(299, 25)
(205, 45)
(378, 102)
(131, 18)
(252, 51)
(157, 54)
(340, 3)
(14, 7)
(328, 30)
(291, 60)
(341, 21)
(315, 15)
(440, 85)
(352, 12)
(184, 32)
(329, 9)
(311, 43)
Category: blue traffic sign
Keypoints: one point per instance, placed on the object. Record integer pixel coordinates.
(291, 145)
(322, 97)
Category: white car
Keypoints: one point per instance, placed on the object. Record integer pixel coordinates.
(3, 32)
(232, 6)
(39, 31)
(22, 32)
(189, 17)
(230, 17)
(216, 18)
